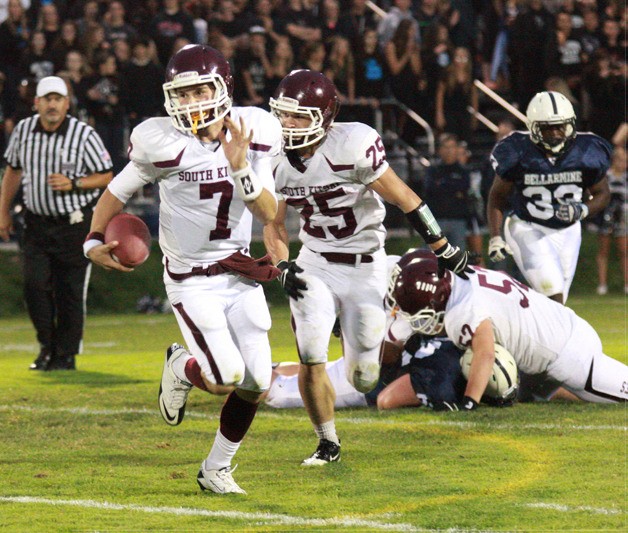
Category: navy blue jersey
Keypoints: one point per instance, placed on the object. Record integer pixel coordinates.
(434, 368)
(542, 183)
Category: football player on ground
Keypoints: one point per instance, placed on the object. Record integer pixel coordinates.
(545, 338)
(558, 177)
(334, 174)
(213, 165)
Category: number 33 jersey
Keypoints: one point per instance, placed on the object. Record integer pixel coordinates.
(337, 210)
(201, 217)
(542, 183)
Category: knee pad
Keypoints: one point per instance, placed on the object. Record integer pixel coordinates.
(371, 326)
(363, 375)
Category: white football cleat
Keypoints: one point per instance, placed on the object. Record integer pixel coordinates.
(173, 392)
(218, 481)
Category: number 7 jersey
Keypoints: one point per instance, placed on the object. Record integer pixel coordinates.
(201, 217)
(338, 212)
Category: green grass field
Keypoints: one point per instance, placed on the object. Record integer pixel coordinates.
(88, 451)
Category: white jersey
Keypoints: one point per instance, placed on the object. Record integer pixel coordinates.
(202, 219)
(338, 212)
(535, 330)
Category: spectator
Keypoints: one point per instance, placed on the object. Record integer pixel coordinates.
(67, 40)
(14, 39)
(232, 23)
(426, 15)
(313, 56)
(329, 20)
(454, 94)
(263, 15)
(605, 85)
(507, 11)
(591, 35)
(115, 24)
(527, 50)
(171, 22)
(476, 224)
(255, 69)
(141, 105)
(611, 40)
(370, 66)
(281, 63)
(105, 107)
(22, 108)
(76, 73)
(5, 8)
(354, 22)
(446, 191)
(90, 18)
(60, 188)
(36, 62)
(388, 25)
(94, 42)
(563, 55)
(341, 69)
(436, 55)
(403, 61)
(300, 24)
(122, 50)
(49, 22)
(613, 221)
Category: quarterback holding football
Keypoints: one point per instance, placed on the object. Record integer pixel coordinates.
(212, 163)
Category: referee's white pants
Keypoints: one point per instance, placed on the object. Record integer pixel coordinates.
(355, 294)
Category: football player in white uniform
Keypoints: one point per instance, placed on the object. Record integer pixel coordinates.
(213, 165)
(557, 178)
(334, 174)
(544, 337)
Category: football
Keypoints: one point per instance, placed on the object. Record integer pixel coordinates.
(504, 381)
(133, 237)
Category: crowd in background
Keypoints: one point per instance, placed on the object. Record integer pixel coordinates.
(424, 53)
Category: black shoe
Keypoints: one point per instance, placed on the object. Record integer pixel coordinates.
(67, 362)
(42, 362)
(327, 452)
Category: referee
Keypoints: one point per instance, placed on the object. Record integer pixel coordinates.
(62, 165)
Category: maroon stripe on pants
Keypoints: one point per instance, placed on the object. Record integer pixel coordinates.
(200, 340)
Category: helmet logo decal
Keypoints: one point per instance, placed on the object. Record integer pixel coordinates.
(427, 287)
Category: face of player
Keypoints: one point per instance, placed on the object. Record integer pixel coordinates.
(195, 94)
(52, 110)
(554, 134)
(294, 120)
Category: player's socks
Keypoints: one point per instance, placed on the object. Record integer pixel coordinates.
(327, 431)
(222, 452)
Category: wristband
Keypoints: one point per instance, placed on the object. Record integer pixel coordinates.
(423, 221)
(93, 239)
(246, 182)
(469, 404)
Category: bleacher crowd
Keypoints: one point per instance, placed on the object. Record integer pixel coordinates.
(425, 54)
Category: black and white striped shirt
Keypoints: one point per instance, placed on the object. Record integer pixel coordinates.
(74, 150)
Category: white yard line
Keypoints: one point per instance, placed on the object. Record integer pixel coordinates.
(267, 518)
(570, 509)
(352, 420)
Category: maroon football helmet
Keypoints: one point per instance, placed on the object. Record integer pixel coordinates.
(421, 294)
(412, 255)
(310, 94)
(198, 64)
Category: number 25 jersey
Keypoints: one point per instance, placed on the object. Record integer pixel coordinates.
(542, 183)
(338, 212)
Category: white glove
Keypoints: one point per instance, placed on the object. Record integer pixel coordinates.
(571, 212)
(497, 249)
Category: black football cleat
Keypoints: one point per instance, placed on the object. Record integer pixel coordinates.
(42, 362)
(327, 452)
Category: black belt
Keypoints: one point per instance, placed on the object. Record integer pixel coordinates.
(346, 259)
(59, 219)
